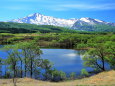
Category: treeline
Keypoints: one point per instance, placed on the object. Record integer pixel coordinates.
(10, 27)
(57, 40)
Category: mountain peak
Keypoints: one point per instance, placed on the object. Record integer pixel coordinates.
(35, 14)
(86, 19)
(39, 19)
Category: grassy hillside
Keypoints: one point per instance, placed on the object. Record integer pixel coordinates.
(104, 78)
(10, 27)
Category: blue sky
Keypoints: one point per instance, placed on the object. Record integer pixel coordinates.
(99, 9)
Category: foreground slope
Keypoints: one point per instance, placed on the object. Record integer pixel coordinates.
(104, 78)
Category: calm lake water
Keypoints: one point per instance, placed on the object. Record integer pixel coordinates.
(66, 60)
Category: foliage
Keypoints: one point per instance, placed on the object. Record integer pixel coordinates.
(84, 73)
(47, 65)
(10, 27)
(99, 49)
(58, 75)
(73, 75)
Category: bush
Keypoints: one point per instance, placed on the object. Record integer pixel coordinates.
(73, 75)
(84, 73)
(58, 75)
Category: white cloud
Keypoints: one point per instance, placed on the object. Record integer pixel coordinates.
(83, 7)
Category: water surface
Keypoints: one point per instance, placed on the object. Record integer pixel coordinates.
(66, 60)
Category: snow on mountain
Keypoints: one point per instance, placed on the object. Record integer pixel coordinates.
(92, 21)
(89, 24)
(40, 19)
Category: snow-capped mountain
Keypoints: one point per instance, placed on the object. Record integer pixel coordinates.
(73, 23)
(89, 24)
(40, 19)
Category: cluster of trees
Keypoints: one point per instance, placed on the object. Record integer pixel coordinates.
(68, 40)
(23, 58)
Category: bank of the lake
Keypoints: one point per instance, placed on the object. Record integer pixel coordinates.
(102, 79)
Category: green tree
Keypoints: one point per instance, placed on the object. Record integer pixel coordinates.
(47, 65)
(95, 57)
(12, 61)
(110, 53)
(31, 53)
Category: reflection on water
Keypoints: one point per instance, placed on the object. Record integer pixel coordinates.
(67, 60)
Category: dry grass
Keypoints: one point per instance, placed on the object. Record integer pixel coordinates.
(102, 79)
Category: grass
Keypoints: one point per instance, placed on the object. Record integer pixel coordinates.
(102, 79)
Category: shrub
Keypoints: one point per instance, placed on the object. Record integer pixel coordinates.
(84, 73)
(58, 75)
(73, 75)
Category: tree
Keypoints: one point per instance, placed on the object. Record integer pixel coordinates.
(30, 52)
(110, 53)
(47, 65)
(12, 61)
(95, 57)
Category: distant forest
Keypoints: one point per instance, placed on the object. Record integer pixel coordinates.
(10, 27)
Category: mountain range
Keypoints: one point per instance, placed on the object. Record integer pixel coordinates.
(84, 24)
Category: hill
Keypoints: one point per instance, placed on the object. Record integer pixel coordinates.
(103, 79)
(10, 27)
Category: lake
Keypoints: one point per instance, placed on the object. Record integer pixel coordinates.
(67, 60)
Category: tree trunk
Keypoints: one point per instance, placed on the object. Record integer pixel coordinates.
(14, 81)
(25, 67)
(31, 70)
(103, 64)
(21, 70)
